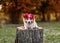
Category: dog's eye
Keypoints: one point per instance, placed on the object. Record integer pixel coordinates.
(31, 21)
(26, 18)
(25, 21)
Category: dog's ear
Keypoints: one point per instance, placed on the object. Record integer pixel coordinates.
(34, 16)
(23, 19)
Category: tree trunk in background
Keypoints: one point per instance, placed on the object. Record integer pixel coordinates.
(43, 15)
(56, 16)
(48, 17)
(14, 15)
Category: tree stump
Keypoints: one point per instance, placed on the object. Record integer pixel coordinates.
(29, 35)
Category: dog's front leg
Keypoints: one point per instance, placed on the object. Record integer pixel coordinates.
(25, 26)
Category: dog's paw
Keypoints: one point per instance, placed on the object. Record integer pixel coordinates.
(25, 28)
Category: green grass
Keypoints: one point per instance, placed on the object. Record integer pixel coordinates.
(51, 33)
(7, 35)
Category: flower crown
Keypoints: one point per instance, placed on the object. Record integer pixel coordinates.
(31, 16)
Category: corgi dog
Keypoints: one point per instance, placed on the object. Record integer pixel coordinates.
(29, 21)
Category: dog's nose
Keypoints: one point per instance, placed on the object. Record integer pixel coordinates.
(29, 22)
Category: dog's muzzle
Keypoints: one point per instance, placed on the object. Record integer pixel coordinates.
(29, 22)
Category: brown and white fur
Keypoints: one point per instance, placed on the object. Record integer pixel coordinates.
(29, 23)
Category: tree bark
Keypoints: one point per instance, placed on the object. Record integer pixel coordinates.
(43, 19)
(48, 17)
(29, 35)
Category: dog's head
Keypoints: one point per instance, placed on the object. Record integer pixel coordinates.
(28, 18)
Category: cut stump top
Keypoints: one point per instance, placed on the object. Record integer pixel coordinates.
(22, 28)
